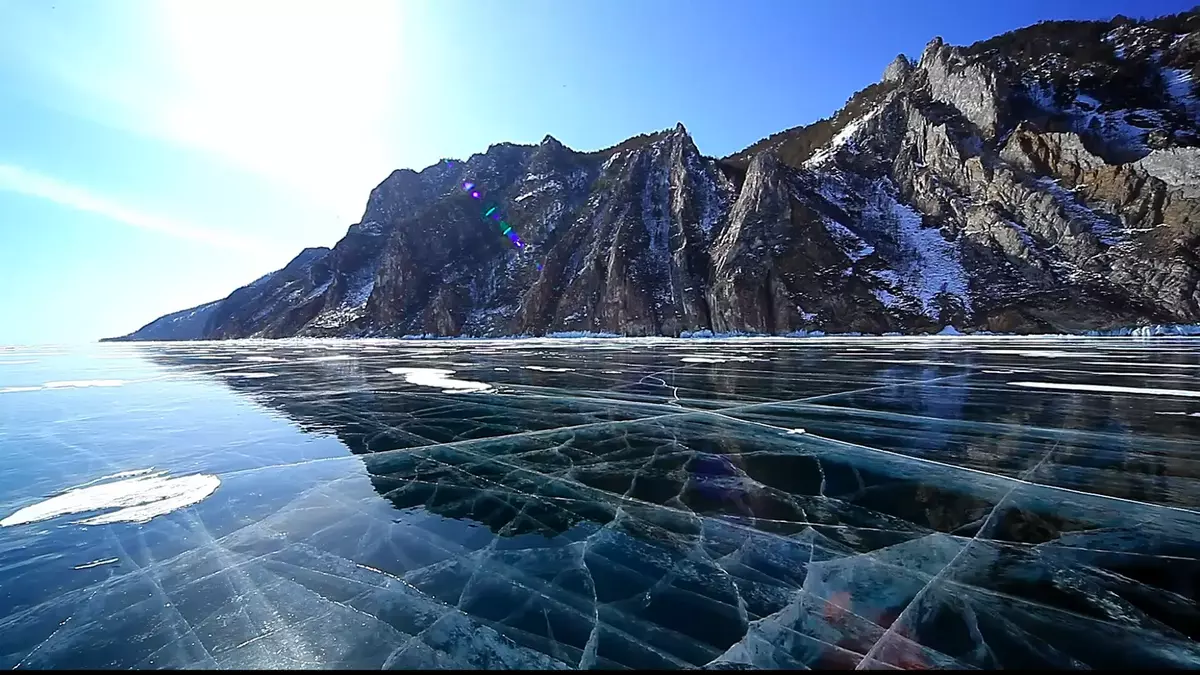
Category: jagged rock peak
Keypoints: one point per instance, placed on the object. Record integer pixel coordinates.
(307, 255)
(680, 129)
(897, 69)
(764, 163)
(930, 49)
(398, 174)
(550, 141)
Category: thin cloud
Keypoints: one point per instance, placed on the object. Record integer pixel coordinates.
(24, 181)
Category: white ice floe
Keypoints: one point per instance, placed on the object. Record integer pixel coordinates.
(249, 376)
(1039, 353)
(547, 369)
(1107, 389)
(715, 358)
(72, 384)
(137, 499)
(79, 384)
(438, 378)
(95, 563)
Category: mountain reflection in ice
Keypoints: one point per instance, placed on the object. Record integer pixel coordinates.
(835, 503)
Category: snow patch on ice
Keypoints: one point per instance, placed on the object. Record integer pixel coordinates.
(137, 499)
(95, 563)
(1107, 389)
(439, 379)
(547, 369)
(78, 384)
(71, 384)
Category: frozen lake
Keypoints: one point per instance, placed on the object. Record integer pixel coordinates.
(825, 502)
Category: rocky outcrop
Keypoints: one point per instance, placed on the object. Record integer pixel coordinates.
(1044, 180)
(898, 69)
(974, 89)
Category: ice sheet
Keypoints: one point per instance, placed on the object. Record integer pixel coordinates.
(548, 504)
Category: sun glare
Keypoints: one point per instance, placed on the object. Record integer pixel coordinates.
(300, 91)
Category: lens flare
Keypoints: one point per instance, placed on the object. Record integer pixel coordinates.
(493, 212)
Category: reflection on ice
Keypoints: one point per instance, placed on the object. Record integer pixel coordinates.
(136, 499)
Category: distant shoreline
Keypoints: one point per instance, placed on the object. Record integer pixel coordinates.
(1157, 330)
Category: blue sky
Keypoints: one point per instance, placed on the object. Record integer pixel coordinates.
(156, 155)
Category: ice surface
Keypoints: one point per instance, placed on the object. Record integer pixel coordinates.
(873, 502)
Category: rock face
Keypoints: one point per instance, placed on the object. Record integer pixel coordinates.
(1044, 180)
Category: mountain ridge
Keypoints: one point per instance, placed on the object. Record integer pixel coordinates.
(1044, 180)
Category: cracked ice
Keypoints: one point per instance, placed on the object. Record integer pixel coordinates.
(643, 503)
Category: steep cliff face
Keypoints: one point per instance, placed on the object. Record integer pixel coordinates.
(1044, 180)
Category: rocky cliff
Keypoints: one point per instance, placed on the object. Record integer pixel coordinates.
(1046, 180)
